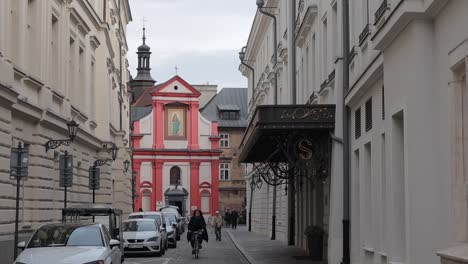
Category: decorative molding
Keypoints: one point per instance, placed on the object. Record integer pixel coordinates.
(93, 40)
(305, 25)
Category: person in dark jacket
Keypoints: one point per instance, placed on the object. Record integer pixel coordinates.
(227, 217)
(197, 223)
(234, 216)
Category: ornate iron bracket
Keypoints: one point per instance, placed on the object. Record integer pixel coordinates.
(53, 144)
(99, 163)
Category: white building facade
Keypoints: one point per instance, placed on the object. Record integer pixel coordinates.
(319, 81)
(62, 60)
(407, 103)
(407, 107)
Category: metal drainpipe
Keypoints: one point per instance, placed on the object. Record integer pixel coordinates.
(253, 76)
(346, 115)
(275, 50)
(292, 85)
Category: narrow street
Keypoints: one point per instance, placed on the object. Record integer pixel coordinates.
(213, 252)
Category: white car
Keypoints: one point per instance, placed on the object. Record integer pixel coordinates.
(159, 218)
(70, 243)
(142, 236)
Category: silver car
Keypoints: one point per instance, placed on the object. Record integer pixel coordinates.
(70, 243)
(171, 229)
(142, 236)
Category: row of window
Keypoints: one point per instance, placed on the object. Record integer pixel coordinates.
(175, 172)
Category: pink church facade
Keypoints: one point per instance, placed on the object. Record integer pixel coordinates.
(176, 152)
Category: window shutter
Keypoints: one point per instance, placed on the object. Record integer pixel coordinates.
(357, 123)
(383, 102)
(369, 114)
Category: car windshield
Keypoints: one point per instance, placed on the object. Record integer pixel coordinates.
(134, 226)
(155, 217)
(60, 236)
(172, 217)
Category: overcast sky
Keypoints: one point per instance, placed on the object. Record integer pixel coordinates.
(201, 37)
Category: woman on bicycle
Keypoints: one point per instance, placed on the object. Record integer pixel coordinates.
(197, 224)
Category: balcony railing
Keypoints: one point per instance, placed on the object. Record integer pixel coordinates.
(381, 11)
(364, 34)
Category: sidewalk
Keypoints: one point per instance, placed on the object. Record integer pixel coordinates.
(259, 249)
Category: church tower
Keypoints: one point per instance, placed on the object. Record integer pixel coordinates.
(143, 80)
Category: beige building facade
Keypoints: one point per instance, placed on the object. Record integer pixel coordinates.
(62, 60)
(229, 109)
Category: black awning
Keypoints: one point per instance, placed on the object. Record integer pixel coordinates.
(273, 123)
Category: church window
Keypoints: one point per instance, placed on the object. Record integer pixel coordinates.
(224, 171)
(174, 176)
(224, 142)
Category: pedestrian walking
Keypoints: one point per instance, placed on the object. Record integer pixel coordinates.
(234, 217)
(227, 217)
(218, 223)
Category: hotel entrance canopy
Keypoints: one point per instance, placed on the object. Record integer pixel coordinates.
(288, 133)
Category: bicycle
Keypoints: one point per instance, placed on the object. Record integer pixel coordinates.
(195, 236)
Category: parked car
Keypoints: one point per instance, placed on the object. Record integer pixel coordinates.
(159, 218)
(70, 243)
(171, 232)
(142, 236)
(179, 219)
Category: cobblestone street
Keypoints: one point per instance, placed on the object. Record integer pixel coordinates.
(213, 252)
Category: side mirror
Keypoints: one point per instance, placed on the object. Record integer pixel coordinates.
(164, 225)
(117, 233)
(21, 245)
(114, 243)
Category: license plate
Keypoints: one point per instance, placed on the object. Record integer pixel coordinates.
(135, 246)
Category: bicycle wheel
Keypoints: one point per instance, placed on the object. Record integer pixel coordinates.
(196, 247)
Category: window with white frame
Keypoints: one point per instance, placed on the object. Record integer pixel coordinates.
(224, 141)
(224, 171)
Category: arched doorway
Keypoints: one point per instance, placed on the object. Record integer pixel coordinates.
(205, 201)
(146, 200)
(177, 197)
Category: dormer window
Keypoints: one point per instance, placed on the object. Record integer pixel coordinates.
(229, 112)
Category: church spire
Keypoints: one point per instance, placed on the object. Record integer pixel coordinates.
(143, 79)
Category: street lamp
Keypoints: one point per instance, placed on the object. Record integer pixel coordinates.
(255, 183)
(126, 164)
(19, 170)
(134, 194)
(260, 3)
(55, 143)
(261, 9)
(113, 150)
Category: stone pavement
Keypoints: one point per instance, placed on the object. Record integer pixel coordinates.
(213, 252)
(259, 249)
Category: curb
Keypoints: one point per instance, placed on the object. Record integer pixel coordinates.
(241, 249)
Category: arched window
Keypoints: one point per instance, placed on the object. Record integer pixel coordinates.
(175, 176)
